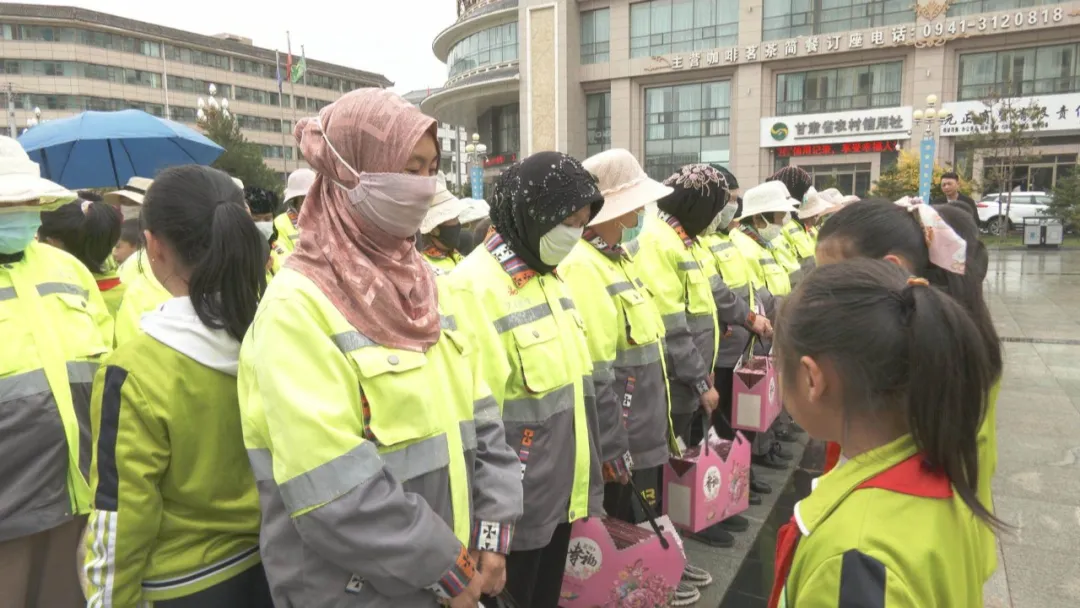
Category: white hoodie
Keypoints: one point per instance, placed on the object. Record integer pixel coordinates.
(176, 325)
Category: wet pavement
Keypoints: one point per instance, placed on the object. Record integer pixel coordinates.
(1034, 297)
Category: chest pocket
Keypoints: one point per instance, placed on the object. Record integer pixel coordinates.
(698, 293)
(390, 378)
(75, 326)
(776, 276)
(641, 322)
(731, 268)
(541, 355)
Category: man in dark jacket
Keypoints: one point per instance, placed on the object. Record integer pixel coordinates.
(950, 186)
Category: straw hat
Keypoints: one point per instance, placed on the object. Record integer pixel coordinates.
(623, 183)
(476, 210)
(21, 184)
(770, 197)
(444, 207)
(299, 183)
(131, 194)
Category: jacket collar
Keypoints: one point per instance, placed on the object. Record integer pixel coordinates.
(677, 226)
(511, 263)
(897, 466)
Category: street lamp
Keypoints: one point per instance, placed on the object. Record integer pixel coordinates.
(205, 106)
(476, 152)
(35, 120)
(931, 118)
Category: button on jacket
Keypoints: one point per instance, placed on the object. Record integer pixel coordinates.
(56, 330)
(541, 375)
(625, 336)
(377, 468)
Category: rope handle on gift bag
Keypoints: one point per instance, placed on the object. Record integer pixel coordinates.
(649, 513)
(706, 427)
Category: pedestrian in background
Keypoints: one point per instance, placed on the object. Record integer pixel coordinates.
(950, 188)
(89, 231)
(56, 330)
(176, 512)
(441, 231)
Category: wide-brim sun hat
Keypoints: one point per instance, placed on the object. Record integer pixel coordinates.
(769, 197)
(476, 209)
(132, 193)
(623, 183)
(444, 207)
(21, 186)
(829, 200)
(299, 183)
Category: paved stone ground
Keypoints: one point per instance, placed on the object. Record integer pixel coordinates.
(1035, 300)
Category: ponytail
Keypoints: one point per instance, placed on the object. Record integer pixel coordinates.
(87, 230)
(904, 350)
(226, 284)
(200, 212)
(950, 374)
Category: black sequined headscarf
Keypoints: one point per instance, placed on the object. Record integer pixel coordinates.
(797, 180)
(536, 194)
(700, 193)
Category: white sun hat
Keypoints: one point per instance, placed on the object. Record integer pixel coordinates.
(299, 183)
(444, 207)
(769, 197)
(21, 185)
(476, 209)
(625, 185)
(829, 200)
(131, 194)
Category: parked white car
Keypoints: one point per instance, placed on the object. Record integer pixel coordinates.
(1024, 204)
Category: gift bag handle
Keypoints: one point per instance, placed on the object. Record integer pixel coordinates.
(649, 513)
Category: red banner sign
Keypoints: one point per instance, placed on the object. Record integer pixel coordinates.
(829, 149)
(501, 159)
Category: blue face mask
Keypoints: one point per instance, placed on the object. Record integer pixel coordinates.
(629, 234)
(17, 230)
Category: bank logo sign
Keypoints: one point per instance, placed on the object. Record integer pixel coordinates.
(779, 131)
(873, 124)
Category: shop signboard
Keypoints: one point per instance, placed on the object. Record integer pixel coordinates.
(874, 124)
(1059, 113)
(858, 147)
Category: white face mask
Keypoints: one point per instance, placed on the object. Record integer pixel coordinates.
(130, 212)
(558, 242)
(266, 228)
(726, 215)
(769, 232)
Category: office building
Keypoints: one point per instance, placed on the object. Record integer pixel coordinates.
(66, 60)
(757, 84)
(452, 141)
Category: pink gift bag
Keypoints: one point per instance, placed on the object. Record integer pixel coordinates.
(755, 393)
(615, 564)
(708, 483)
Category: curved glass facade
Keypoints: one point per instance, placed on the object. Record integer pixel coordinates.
(487, 47)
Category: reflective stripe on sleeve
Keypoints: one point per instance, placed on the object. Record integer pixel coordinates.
(538, 409)
(45, 289)
(675, 321)
(486, 409)
(331, 479)
(645, 354)
(699, 323)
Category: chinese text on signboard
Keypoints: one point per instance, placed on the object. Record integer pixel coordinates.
(827, 149)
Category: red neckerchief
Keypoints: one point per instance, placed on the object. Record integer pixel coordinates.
(107, 284)
(514, 266)
(753, 234)
(806, 226)
(432, 251)
(677, 227)
(913, 477)
(614, 252)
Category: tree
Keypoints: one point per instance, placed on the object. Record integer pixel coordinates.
(902, 179)
(242, 159)
(1066, 203)
(1007, 130)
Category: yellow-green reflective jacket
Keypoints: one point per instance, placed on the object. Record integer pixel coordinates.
(175, 505)
(675, 275)
(377, 468)
(765, 271)
(734, 298)
(444, 264)
(802, 241)
(56, 330)
(287, 233)
(143, 294)
(785, 254)
(541, 375)
(625, 336)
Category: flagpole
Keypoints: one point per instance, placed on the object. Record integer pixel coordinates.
(165, 79)
(303, 62)
(281, 108)
(292, 87)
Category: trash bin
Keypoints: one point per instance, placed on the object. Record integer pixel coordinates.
(1043, 232)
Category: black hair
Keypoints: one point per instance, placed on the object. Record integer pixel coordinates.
(950, 175)
(90, 195)
(261, 201)
(797, 180)
(87, 230)
(131, 232)
(200, 213)
(903, 348)
(877, 228)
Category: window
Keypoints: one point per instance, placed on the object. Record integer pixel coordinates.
(854, 88)
(276, 152)
(660, 27)
(851, 178)
(597, 122)
(959, 8)
(80, 103)
(486, 47)
(1038, 174)
(1020, 72)
(266, 98)
(259, 123)
(255, 68)
(78, 69)
(196, 57)
(791, 18)
(595, 36)
(199, 87)
(507, 132)
(686, 124)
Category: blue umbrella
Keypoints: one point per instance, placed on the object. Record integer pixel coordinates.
(105, 149)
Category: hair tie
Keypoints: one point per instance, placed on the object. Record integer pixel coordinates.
(86, 206)
(913, 281)
(946, 249)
